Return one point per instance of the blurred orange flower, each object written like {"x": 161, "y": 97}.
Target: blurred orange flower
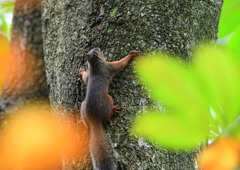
{"x": 34, "y": 139}
{"x": 4, "y": 45}
{"x": 223, "y": 154}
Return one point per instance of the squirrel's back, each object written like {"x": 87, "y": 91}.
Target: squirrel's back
{"x": 97, "y": 104}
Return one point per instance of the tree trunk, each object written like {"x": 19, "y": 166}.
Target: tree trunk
{"x": 72, "y": 28}
{"x": 26, "y": 76}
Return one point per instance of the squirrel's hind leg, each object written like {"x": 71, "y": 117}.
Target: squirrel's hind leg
{"x": 82, "y": 115}
{"x": 115, "y": 109}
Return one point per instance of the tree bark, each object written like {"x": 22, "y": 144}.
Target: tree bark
{"x": 72, "y": 28}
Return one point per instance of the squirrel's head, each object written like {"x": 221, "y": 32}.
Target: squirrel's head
{"x": 95, "y": 54}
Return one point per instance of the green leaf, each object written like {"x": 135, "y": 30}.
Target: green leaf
{"x": 171, "y": 132}
{"x": 5, "y": 9}
{"x": 233, "y": 129}
{"x": 203, "y": 96}
{"x": 234, "y": 44}
{"x": 4, "y": 27}
{"x": 7, "y": 3}
{"x": 220, "y": 79}
{"x": 174, "y": 84}
{"x": 229, "y": 20}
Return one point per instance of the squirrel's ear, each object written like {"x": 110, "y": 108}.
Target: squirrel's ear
{"x": 86, "y": 56}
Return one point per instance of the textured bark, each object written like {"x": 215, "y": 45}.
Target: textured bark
{"x": 71, "y": 28}
{"x": 26, "y": 76}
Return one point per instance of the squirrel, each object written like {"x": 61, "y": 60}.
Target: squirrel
{"x": 97, "y": 108}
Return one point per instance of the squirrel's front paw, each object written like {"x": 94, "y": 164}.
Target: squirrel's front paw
{"x": 133, "y": 53}
{"x": 81, "y": 71}
{"x": 115, "y": 109}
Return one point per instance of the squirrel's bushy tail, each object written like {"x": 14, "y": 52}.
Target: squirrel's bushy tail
{"x": 101, "y": 149}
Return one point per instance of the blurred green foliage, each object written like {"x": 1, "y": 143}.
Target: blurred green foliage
{"x": 204, "y": 97}
{"x": 230, "y": 18}
{"x": 229, "y": 26}
{"x": 6, "y": 12}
